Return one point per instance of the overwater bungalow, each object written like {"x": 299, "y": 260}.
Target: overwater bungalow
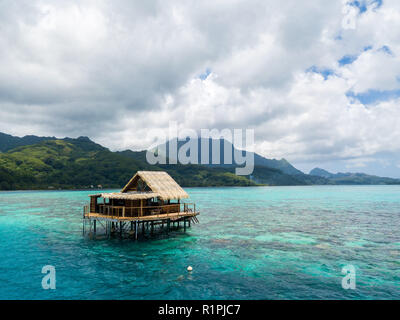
{"x": 150, "y": 199}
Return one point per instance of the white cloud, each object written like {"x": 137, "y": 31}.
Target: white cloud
{"x": 113, "y": 70}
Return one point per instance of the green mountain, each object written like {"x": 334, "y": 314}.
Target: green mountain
{"x": 42, "y": 163}
{"x": 270, "y": 172}
{"x": 80, "y": 163}
{"x": 67, "y": 163}
{"x": 8, "y": 142}
{"x": 321, "y": 173}
{"x": 194, "y": 175}
{"x": 259, "y": 161}
{"x": 352, "y": 178}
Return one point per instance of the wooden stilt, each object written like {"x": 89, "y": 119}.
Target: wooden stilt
{"x": 114, "y": 223}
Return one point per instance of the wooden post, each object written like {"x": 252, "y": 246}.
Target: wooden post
{"x": 168, "y": 225}
{"x": 136, "y": 227}
{"x": 120, "y": 229}
{"x": 141, "y": 207}
{"x": 143, "y": 228}
{"x": 152, "y": 227}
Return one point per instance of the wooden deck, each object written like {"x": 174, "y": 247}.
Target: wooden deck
{"x": 129, "y": 222}
{"x": 166, "y": 216}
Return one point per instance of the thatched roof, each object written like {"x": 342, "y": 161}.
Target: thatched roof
{"x": 158, "y": 183}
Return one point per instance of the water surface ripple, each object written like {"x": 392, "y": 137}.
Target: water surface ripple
{"x": 252, "y": 243}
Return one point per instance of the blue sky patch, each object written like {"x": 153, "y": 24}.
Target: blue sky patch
{"x": 387, "y": 50}
{"x": 363, "y": 5}
{"x": 325, "y": 72}
{"x": 339, "y": 37}
{"x": 374, "y": 96}
{"x": 348, "y": 59}
{"x": 367, "y": 48}
{"x": 378, "y": 3}
{"x": 205, "y": 75}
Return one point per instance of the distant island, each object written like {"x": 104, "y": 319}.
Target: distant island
{"x": 352, "y": 178}
{"x": 33, "y": 162}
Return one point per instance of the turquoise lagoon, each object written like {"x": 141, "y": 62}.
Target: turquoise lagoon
{"x": 251, "y": 243}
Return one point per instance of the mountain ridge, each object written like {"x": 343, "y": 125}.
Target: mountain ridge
{"x": 78, "y": 163}
{"x": 259, "y": 161}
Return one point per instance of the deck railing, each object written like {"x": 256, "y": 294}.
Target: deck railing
{"x": 120, "y": 211}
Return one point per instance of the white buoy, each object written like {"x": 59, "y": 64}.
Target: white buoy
{"x": 189, "y": 268}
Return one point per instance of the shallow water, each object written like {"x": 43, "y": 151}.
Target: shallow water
{"x": 251, "y": 243}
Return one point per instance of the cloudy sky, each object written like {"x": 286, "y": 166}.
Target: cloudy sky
{"x": 318, "y": 81}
